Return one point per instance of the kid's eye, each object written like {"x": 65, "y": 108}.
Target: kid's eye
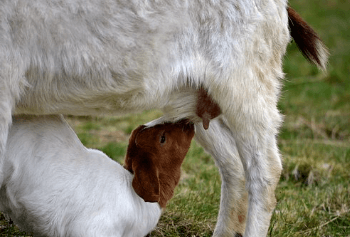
{"x": 162, "y": 139}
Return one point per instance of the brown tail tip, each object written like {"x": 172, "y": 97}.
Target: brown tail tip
{"x": 307, "y": 40}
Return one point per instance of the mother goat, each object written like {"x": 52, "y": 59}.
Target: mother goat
{"x": 93, "y": 57}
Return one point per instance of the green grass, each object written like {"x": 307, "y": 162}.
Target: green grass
{"x": 314, "y": 191}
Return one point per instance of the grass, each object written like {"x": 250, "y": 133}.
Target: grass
{"x": 314, "y": 191}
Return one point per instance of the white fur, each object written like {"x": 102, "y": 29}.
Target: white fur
{"x": 54, "y": 186}
{"x": 93, "y": 57}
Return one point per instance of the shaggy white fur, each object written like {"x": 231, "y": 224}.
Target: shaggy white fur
{"x": 93, "y": 57}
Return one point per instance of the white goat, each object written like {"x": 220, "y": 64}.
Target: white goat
{"x": 93, "y": 57}
{"x": 54, "y": 186}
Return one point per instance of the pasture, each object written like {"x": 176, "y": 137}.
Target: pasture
{"x": 314, "y": 191}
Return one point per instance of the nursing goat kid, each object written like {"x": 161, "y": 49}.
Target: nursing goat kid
{"x": 54, "y": 186}
{"x": 95, "y": 57}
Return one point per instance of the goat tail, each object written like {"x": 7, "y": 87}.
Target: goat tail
{"x": 307, "y": 40}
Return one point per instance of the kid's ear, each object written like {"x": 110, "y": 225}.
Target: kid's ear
{"x": 146, "y": 180}
{"x": 132, "y": 149}
{"x": 132, "y": 139}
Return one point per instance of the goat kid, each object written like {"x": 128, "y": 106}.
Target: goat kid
{"x": 54, "y": 186}
{"x": 93, "y": 57}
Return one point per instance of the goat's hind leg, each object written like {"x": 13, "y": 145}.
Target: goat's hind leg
{"x": 218, "y": 140}
{"x": 262, "y": 176}
{"x": 254, "y": 123}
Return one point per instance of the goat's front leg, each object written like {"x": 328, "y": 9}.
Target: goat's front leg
{"x": 218, "y": 140}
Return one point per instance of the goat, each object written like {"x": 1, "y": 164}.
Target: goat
{"x": 54, "y": 186}
{"x": 96, "y": 57}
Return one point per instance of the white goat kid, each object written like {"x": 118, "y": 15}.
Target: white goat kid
{"x": 93, "y": 57}
{"x": 54, "y": 186}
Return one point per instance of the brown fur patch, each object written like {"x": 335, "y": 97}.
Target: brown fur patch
{"x": 239, "y": 213}
{"x": 155, "y": 155}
